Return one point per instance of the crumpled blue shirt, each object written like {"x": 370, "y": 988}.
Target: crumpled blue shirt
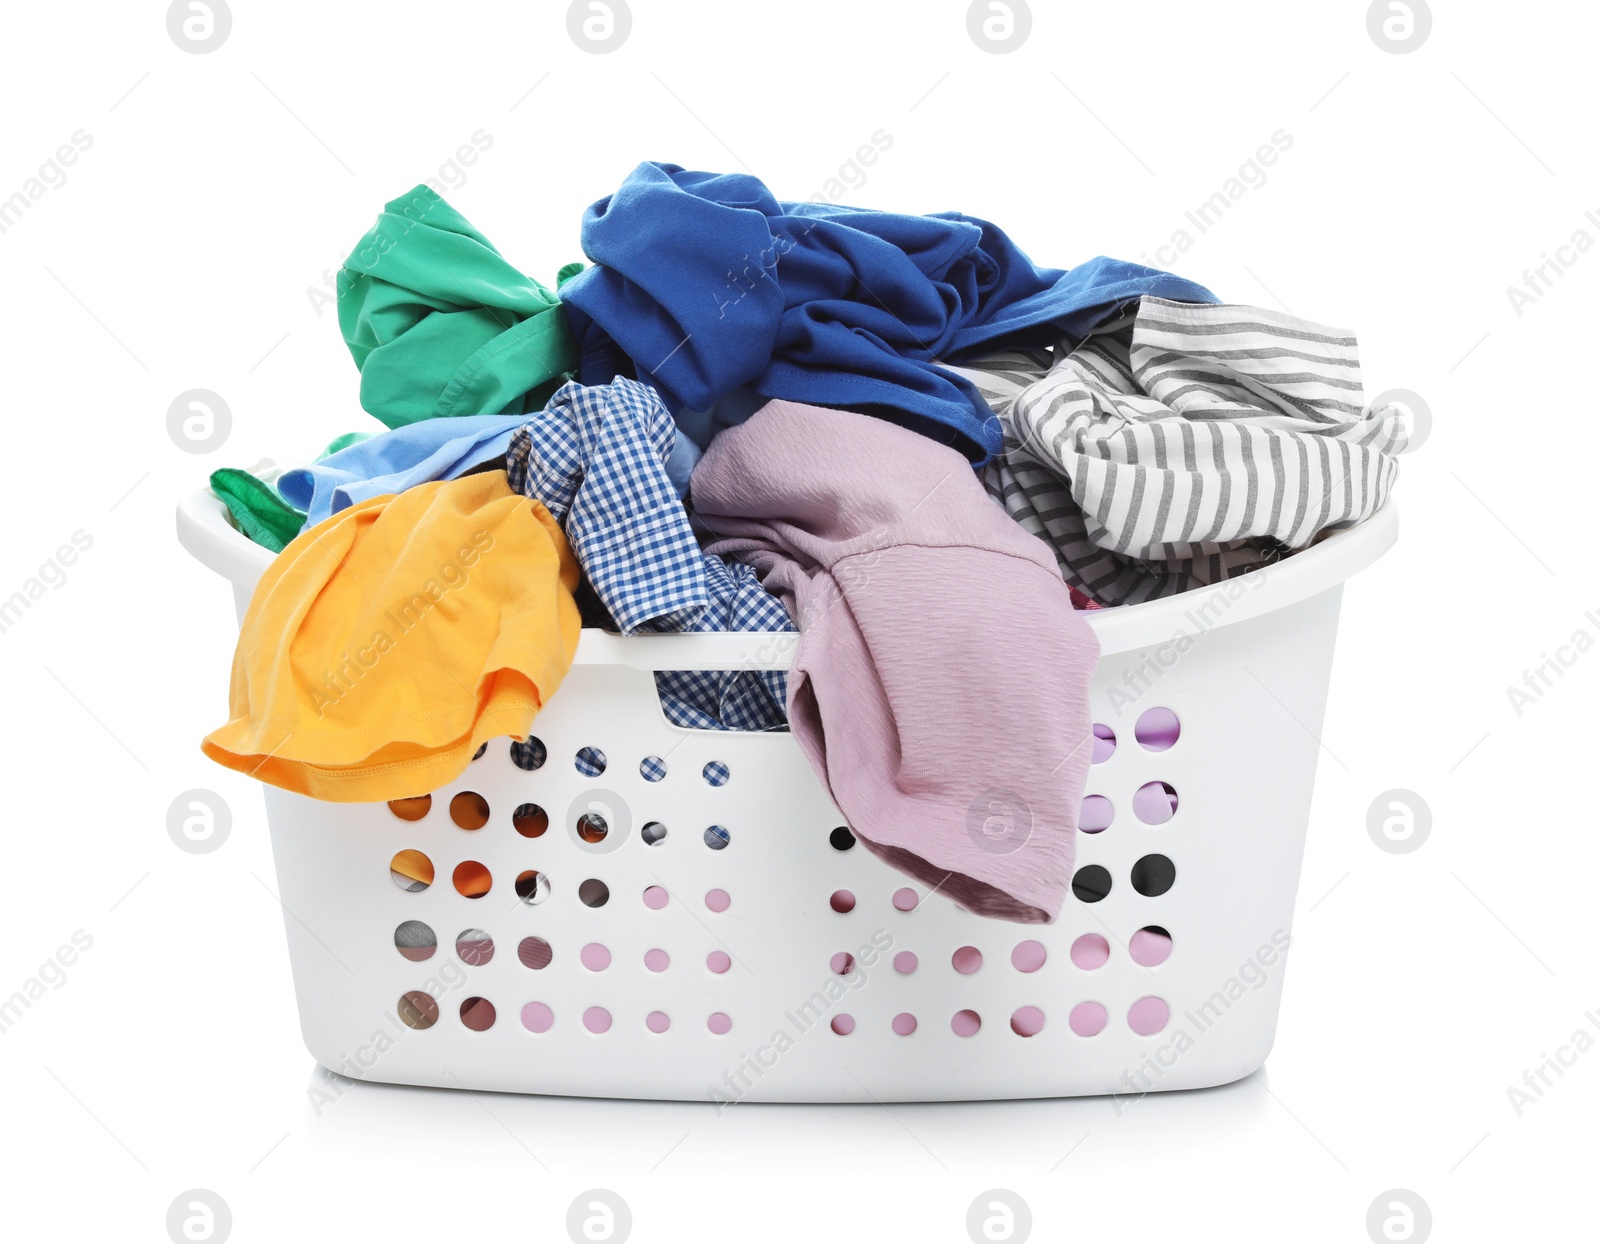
{"x": 710, "y": 288}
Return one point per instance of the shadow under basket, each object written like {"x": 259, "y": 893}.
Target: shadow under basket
{"x": 623, "y": 908}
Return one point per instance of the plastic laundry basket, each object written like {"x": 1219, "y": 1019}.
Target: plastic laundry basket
{"x": 692, "y": 922}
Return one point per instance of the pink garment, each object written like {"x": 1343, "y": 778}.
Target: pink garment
{"x": 940, "y": 687}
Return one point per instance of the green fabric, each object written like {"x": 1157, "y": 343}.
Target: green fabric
{"x": 440, "y": 324}
{"x": 257, "y": 508}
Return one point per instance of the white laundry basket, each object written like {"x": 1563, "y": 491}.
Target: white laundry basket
{"x": 752, "y": 953}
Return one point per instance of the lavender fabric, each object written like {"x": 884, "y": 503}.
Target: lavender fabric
{"x": 941, "y": 683}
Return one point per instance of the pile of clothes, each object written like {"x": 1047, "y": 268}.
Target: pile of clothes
{"x": 894, "y": 434}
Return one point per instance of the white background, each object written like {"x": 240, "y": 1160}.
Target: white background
{"x": 221, "y": 188}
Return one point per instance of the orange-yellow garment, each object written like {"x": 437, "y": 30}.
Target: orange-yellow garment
{"x": 383, "y": 646}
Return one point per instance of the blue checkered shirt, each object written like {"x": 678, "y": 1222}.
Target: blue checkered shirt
{"x": 595, "y": 457}
{"x": 730, "y": 699}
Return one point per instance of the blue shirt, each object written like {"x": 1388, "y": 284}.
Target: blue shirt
{"x": 595, "y": 458}
{"x": 706, "y": 284}
{"x": 412, "y": 454}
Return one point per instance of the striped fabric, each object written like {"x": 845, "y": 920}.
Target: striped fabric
{"x": 1183, "y": 444}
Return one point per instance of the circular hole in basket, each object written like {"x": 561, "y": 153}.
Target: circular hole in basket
{"x": 653, "y": 769}
{"x": 533, "y": 887}
{"x": 1095, "y": 814}
{"x": 1028, "y": 956}
{"x": 530, "y": 820}
{"x": 478, "y": 1014}
{"x": 904, "y": 1024}
{"x": 1105, "y": 744}
{"x": 411, "y": 870}
{"x": 905, "y": 963}
{"x": 595, "y": 957}
{"x": 469, "y": 810}
{"x": 537, "y": 1017}
{"x": 905, "y": 899}
{"x": 1091, "y": 883}
{"x": 843, "y": 963}
{"x": 1152, "y": 876}
{"x": 657, "y": 960}
{"x": 597, "y": 1019}
{"x": 719, "y": 1023}
{"x": 482, "y": 747}
{"x": 658, "y": 1021}
{"x": 654, "y": 833}
{"x": 1155, "y": 803}
{"x": 965, "y": 1023}
{"x": 841, "y": 839}
{"x": 843, "y": 1025}
{"x": 592, "y": 828}
{"x": 1148, "y": 1016}
{"x": 655, "y": 897}
{"x": 590, "y": 761}
{"x": 842, "y": 901}
{"x": 718, "y": 900}
{"x": 472, "y": 879}
{"x": 417, "y": 1010}
{"x": 718, "y": 961}
{"x": 967, "y": 960}
{"x": 1090, "y": 951}
{"x": 716, "y": 773}
{"x": 716, "y": 837}
{"x": 1157, "y": 729}
{"x": 535, "y": 953}
{"x": 594, "y": 893}
{"x": 1027, "y": 1021}
{"x": 1151, "y": 946}
{"x": 529, "y": 754}
{"x": 412, "y": 809}
{"x": 1087, "y": 1019}
{"x": 415, "y": 941}
{"x": 474, "y": 947}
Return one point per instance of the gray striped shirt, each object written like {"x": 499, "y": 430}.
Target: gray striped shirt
{"x": 1185, "y": 443}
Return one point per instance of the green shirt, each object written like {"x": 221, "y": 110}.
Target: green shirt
{"x": 440, "y": 324}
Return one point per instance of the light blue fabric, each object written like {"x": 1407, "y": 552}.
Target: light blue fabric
{"x": 412, "y": 454}
{"x": 681, "y": 462}
{"x": 416, "y": 453}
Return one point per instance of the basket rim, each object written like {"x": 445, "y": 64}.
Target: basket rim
{"x": 204, "y": 530}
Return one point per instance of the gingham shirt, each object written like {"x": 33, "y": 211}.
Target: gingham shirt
{"x": 595, "y": 457}
{"x": 730, "y": 699}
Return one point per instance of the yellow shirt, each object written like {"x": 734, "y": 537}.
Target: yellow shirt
{"x": 383, "y": 646}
